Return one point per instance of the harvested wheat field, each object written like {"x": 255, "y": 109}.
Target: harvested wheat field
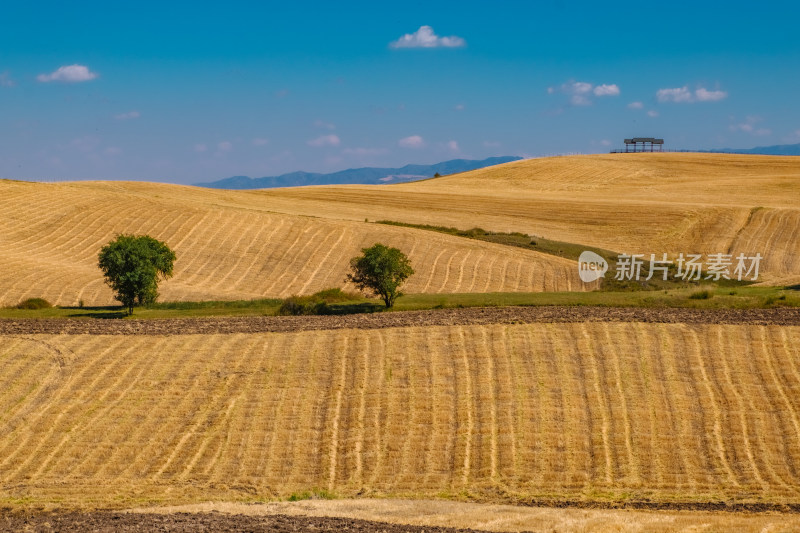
{"x": 629, "y": 203}
{"x": 599, "y": 412}
{"x": 255, "y": 244}
{"x": 228, "y": 249}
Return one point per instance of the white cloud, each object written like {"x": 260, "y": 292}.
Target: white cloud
{"x": 452, "y": 146}
{"x": 424, "y": 37}
{"x": 606, "y": 90}
{"x": 225, "y": 146}
{"x": 200, "y": 148}
{"x": 580, "y": 92}
{"x": 365, "y": 152}
{"x": 605, "y": 142}
{"x": 577, "y": 91}
{"x": 704, "y": 95}
{"x": 639, "y": 105}
{"x": 459, "y": 107}
{"x": 793, "y": 137}
{"x": 412, "y": 141}
{"x": 492, "y": 144}
{"x": 580, "y": 87}
{"x": 679, "y": 94}
{"x": 682, "y": 95}
{"x": 113, "y": 150}
{"x": 68, "y": 74}
{"x": 258, "y": 141}
{"x": 128, "y": 116}
{"x": 325, "y": 140}
{"x": 750, "y": 126}
{"x": 324, "y": 125}
{"x": 5, "y": 80}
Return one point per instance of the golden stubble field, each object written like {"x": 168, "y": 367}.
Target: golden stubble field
{"x": 629, "y": 203}
{"x": 597, "y": 411}
{"x": 50, "y": 235}
{"x": 274, "y": 243}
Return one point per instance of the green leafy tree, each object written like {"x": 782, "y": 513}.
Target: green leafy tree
{"x": 133, "y": 265}
{"x": 381, "y": 270}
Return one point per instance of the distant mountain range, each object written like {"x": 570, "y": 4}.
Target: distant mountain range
{"x": 369, "y": 175}
{"x": 778, "y": 149}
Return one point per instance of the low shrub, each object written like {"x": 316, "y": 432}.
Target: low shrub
{"x": 772, "y": 300}
{"x": 303, "y": 305}
{"x": 34, "y": 303}
{"x": 700, "y": 295}
{"x": 318, "y": 303}
{"x": 474, "y": 232}
{"x": 335, "y": 295}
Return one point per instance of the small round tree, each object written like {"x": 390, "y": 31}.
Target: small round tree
{"x": 132, "y": 266}
{"x": 381, "y": 270}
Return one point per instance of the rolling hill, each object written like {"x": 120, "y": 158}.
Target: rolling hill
{"x": 630, "y": 203}
{"x": 274, "y": 243}
{"x": 230, "y": 247}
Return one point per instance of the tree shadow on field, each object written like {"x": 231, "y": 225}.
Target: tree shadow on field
{"x": 353, "y": 309}
{"x": 97, "y": 312}
{"x": 119, "y": 314}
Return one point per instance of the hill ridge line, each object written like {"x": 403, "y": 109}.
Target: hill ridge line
{"x": 404, "y": 319}
{"x": 358, "y": 176}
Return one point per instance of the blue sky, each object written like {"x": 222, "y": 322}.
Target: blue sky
{"x": 188, "y": 91}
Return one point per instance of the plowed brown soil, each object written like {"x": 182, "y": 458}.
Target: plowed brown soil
{"x": 109, "y": 521}
{"x": 435, "y": 317}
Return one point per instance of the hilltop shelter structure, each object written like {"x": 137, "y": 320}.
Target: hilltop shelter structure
{"x": 640, "y": 144}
